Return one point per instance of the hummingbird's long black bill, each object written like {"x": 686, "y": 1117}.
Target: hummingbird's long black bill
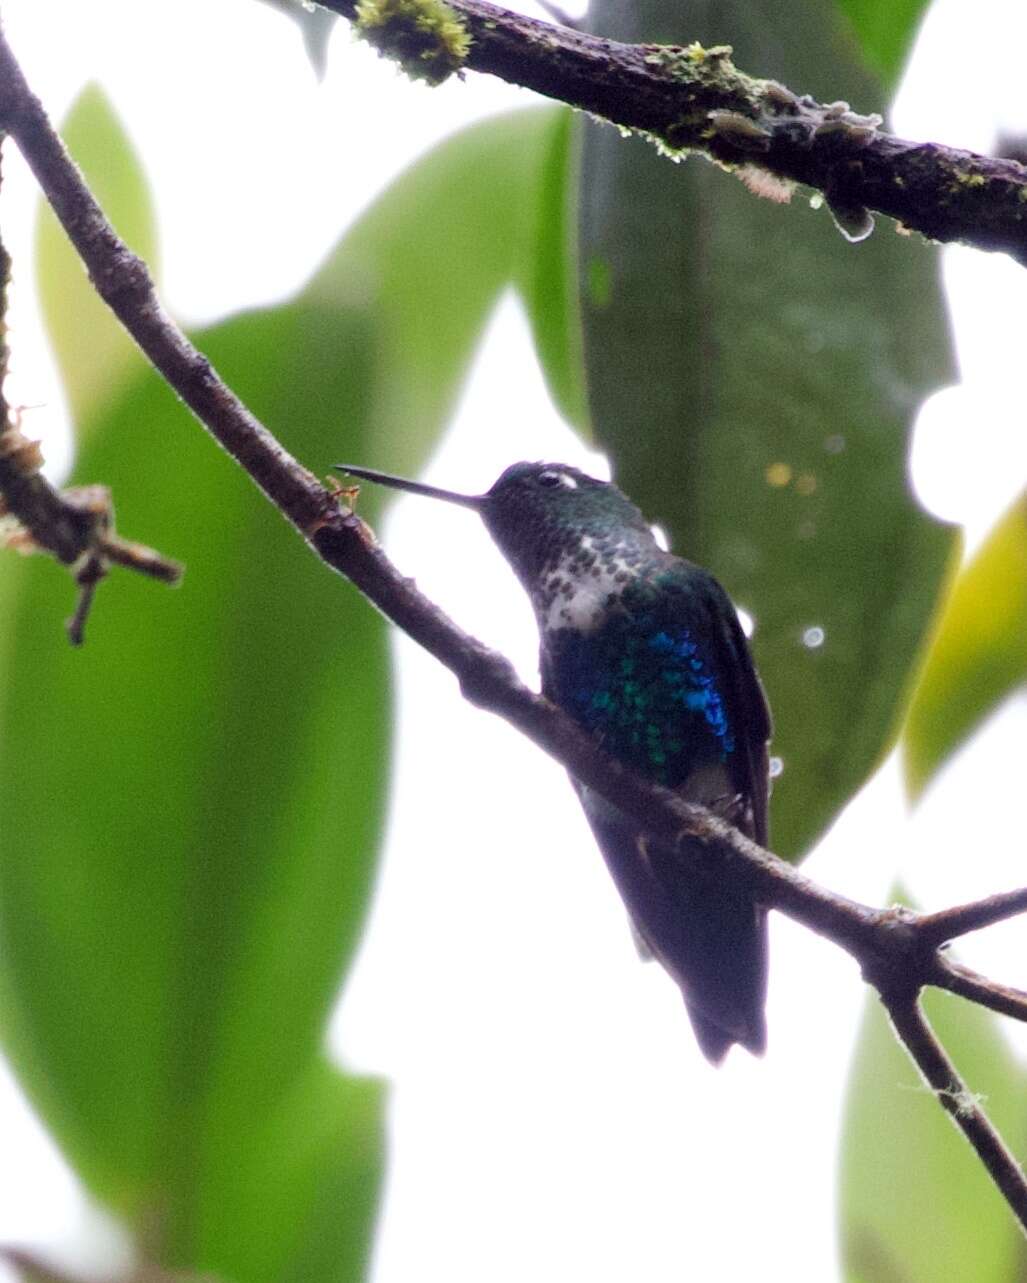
{"x": 414, "y": 487}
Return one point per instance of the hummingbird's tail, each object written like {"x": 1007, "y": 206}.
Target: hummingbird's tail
{"x": 708, "y": 935}
{"x": 725, "y": 990}
{"x": 715, "y": 1042}
{"x": 711, "y": 938}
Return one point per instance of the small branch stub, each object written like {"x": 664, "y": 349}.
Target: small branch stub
{"x": 76, "y": 526}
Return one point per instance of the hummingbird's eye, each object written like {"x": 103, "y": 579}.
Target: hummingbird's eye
{"x": 551, "y": 477}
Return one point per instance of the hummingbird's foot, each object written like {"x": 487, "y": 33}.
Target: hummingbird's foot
{"x": 731, "y": 807}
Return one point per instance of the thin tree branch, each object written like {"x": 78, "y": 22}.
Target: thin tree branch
{"x": 695, "y": 99}
{"x": 961, "y": 1105}
{"x": 957, "y": 978}
{"x": 947, "y": 924}
{"x": 892, "y": 950}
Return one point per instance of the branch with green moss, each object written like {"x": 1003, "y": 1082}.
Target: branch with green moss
{"x": 691, "y": 99}
{"x": 425, "y": 37}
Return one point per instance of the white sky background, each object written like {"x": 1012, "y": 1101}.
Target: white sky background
{"x": 552, "y": 1118}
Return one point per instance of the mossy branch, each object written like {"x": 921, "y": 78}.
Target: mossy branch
{"x": 695, "y": 99}
{"x": 426, "y": 38}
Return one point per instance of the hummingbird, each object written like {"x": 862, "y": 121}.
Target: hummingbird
{"x": 645, "y": 650}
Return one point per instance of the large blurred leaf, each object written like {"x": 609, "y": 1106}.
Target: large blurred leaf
{"x": 979, "y": 651}
{"x": 190, "y": 805}
{"x": 755, "y": 377}
{"x": 189, "y": 824}
{"x": 93, "y": 350}
{"x": 546, "y": 276}
{"x": 916, "y": 1206}
{"x": 885, "y": 31}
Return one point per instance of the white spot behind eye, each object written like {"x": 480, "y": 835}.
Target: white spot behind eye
{"x": 551, "y": 477}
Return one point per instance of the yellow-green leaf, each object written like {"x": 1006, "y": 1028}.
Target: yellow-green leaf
{"x": 885, "y": 30}
{"x": 978, "y": 654}
{"x": 93, "y": 351}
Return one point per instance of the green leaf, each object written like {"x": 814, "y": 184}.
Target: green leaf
{"x": 978, "y": 654}
{"x": 915, "y": 1204}
{"x": 885, "y": 30}
{"x": 192, "y": 802}
{"x": 316, "y": 26}
{"x": 93, "y": 350}
{"x": 298, "y": 1200}
{"x": 755, "y": 377}
{"x": 190, "y": 823}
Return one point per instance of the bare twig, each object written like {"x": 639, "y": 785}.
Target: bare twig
{"x": 695, "y": 99}
{"x": 137, "y": 557}
{"x": 957, "y": 978}
{"x": 948, "y": 924}
{"x": 894, "y": 949}
{"x": 962, "y": 1106}
{"x": 88, "y": 578}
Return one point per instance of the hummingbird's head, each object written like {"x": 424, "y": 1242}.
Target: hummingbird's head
{"x": 539, "y": 513}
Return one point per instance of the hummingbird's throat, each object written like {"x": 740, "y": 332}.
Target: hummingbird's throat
{"x": 584, "y": 584}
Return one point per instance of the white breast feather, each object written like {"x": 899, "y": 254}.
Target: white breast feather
{"x": 578, "y": 599}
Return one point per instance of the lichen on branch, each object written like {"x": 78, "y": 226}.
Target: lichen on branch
{"x": 428, "y": 40}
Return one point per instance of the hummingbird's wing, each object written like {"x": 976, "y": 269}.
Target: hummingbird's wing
{"x": 748, "y": 710}
{"x": 718, "y": 947}
{"x": 709, "y": 936}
